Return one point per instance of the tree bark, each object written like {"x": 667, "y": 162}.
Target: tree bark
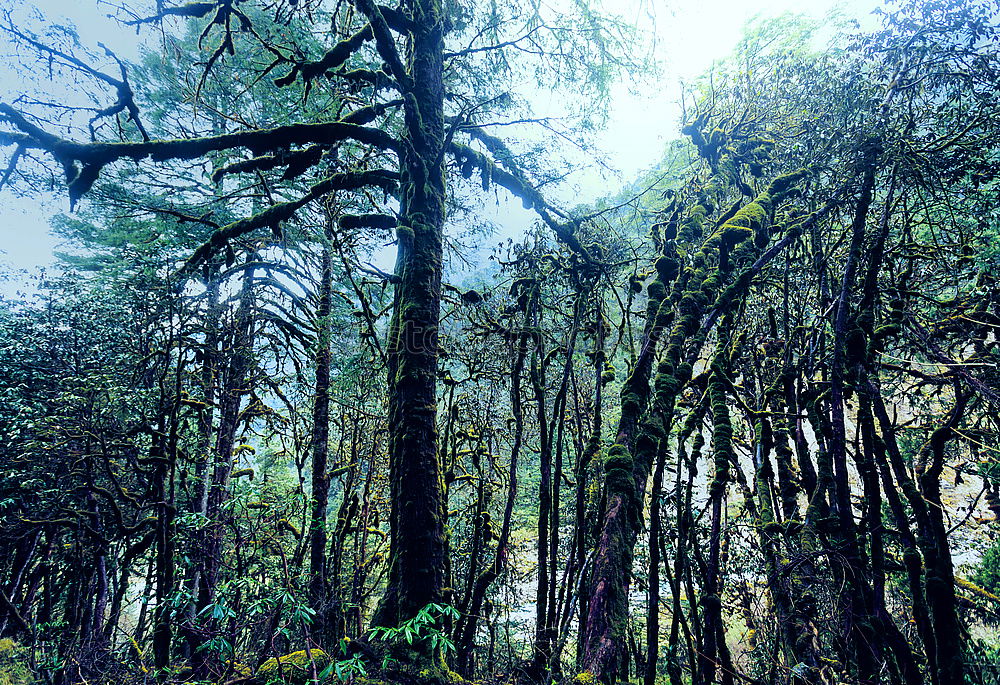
{"x": 417, "y": 536}
{"x": 318, "y": 580}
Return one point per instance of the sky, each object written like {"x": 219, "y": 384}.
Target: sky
{"x": 690, "y": 36}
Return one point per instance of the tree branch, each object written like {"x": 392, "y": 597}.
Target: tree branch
{"x": 384, "y": 42}
{"x": 94, "y": 156}
{"x": 274, "y": 215}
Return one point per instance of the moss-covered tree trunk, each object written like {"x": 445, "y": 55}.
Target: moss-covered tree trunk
{"x": 417, "y": 537}
{"x": 713, "y": 655}
{"x": 684, "y": 314}
{"x": 624, "y": 483}
{"x": 939, "y": 583}
{"x": 318, "y": 581}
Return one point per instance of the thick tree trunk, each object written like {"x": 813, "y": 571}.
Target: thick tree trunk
{"x": 417, "y": 536}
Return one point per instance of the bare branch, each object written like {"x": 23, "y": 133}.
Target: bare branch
{"x": 125, "y": 97}
{"x": 192, "y": 9}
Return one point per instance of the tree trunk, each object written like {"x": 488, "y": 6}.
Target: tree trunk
{"x": 318, "y": 580}
{"x": 417, "y": 515}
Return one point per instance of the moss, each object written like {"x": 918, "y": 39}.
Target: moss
{"x": 14, "y": 659}
{"x": 630, "y": 402}
{"x": 663, "y": 315}
{"x": 684, "y": 371}
{"x": 294, "y": 668}
{"x": 656, "y": 290}
{"x": 722, "y": 430}
{"x": 619, "y": 479}
{"x": 772, "y": 528}
{"x": 978, "y": 591}
{"x": 585, "y": 678}
{"x": 618, "y": 459}
{"x": 667, "y": 387}
{"x": 667, "y": 268}
{"x": 414, "y": 665}
{"x": 405, "y": 234}
{"x": 240, "y": 670}
{"x": 693, "y": 224}
{"x": 608, "y": 374}
{"x": 651, "y": 433}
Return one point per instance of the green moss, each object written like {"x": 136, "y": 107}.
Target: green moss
{"x": 722, "y": 430}
{"x": 772, "y": 528}
{"x": 667, "y": 387}
{"x": 684, "y": 371}
{"x": 608, "y": 374}
{"x": 618, "y": 459}
{"x": 667, "y": 268}
{"x": 294, "y": 668}
{"x": 405, "y": 234}
{"x": 14, "y": 659}
{"x": 630, "y": 401}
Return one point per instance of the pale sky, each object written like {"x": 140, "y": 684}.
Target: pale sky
{"x": 689, "y": 36}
